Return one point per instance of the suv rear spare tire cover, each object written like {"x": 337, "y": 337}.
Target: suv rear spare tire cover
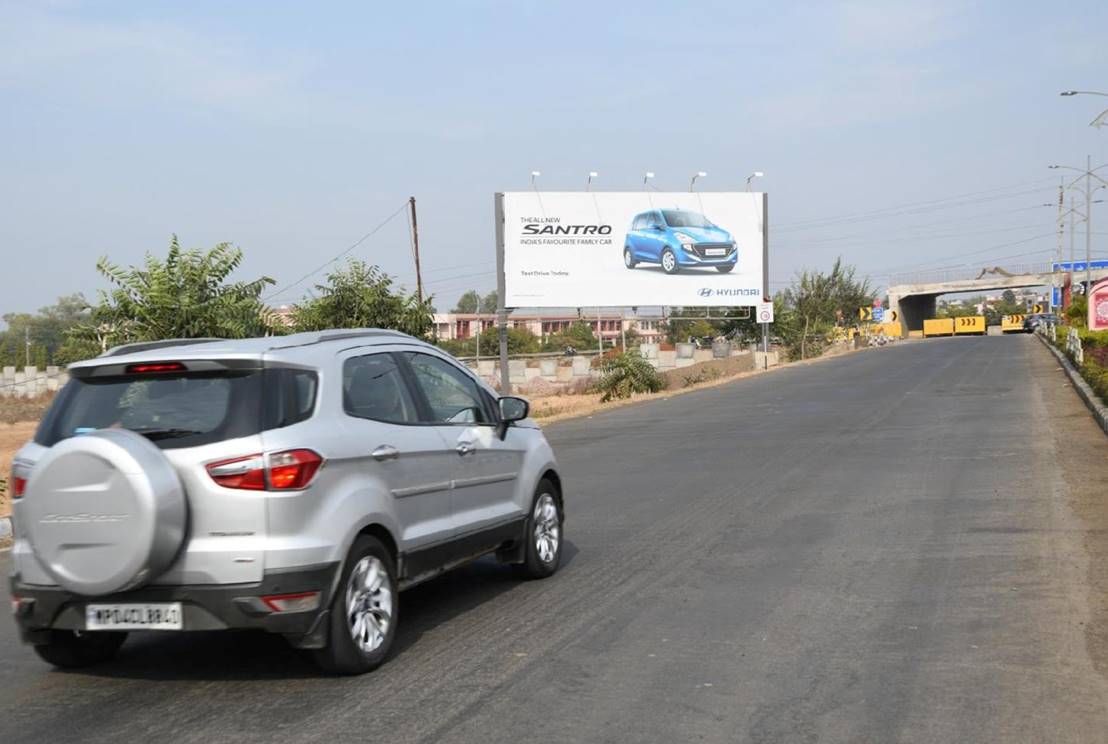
{"x": 104, "y": 512}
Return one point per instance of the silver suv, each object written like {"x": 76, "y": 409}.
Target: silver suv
{"x": 292, "y": 484}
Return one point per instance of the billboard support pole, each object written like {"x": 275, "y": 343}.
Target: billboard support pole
{"x": 501, "y": 311}
{"x": 599, "y": 338}
{"x": 765, "y": 276}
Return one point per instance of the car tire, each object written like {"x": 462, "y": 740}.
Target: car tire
{"x": 725, "y": 269}
{"x": 542, "y": 534}
{"x": 629, "y": 258}
{"x": 71, "y": 649}
{"x": 670, "y": 267}
{"x": 357, "y": 609}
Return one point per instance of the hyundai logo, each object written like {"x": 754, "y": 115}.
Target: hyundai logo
{"x": 705, "y": 292}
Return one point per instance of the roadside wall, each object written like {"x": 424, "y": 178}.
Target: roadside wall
{"x": 550, "y": 375}
{"x": 29, "y": 382}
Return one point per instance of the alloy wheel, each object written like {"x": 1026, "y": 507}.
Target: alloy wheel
{"x": 668, "y": 261}
{"x": 547, "y": 528}
{"x": 369, "y": 602}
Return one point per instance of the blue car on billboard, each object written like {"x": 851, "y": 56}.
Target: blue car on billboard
{"x": 677, "y": 239}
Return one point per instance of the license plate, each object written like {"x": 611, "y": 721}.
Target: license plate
{"x": 716, "y": 252}
{"x": 152, "y": 616}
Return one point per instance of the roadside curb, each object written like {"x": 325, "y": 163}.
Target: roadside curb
{"x": 1086, "y": 393}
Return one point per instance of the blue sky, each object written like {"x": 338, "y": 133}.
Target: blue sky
{"x": 292, "y": 129}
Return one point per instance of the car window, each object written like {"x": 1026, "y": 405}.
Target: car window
{"x": 373, "y": 388}
{"x": 452, "y": 395}
{"x": 640, "y": 222}
{"x": 173, "y": 410}
{"x": 290, "y": 396}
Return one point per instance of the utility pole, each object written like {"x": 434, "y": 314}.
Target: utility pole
{"x": 415, "y": 245}
{"x": 599, "y": 338}
{"x": 1071, "y": 256}
{"x": 1061, "y": 230}
{"x": 27, "y": 345}
{"x": 1088, "y": 224}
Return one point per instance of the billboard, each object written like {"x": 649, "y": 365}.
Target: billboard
{"x": 1098, "y": 306}
{"x": 639, "y": 248}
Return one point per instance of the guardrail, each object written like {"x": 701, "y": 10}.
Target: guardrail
{"x": 1073, "y": 346}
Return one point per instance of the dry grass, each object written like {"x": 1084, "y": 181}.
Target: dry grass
{"x": 12, "y": 437}
{"x": 14, "y": 409}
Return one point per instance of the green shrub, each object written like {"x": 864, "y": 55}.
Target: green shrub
{"x": 626, "y": 374}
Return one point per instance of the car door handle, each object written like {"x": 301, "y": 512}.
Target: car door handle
{"x": 385, "y": 452}
{"x": 465, "y": 448}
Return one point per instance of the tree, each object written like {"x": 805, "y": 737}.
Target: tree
{"x": 579, "y": 335}
{"x": 362, "y": 296}
{"x": 470, "y": 302}
{"x": 806, "y": 312}
{"x": 520, "y": 341}
{"x": 46, "y": 332}
{"x": 684, "y": 322}
{"x": 489, "y": 302}
{"x": 188, "y": 295}
{"x": 1009, "y": 296}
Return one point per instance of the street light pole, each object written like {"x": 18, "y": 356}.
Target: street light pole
{"x": 1101, "y": 118}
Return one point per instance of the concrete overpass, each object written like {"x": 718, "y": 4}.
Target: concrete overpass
{"x": 913, "y": 296}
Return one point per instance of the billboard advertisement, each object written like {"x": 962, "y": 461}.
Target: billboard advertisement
{"x": 640, "y": 248}
{"x": 1098, "y": 306}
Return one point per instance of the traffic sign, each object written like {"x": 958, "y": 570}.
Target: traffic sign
{"x": 865, "y": 313}
{"x": 892, "y": 317}
{"x": 765, "y": 312}
{"x": 1079, "y": 265}
{"x": 878, "y": 315}
{"x": 1037, "y": 308}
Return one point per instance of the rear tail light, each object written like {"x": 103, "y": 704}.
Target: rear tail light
{"x": 19, "y": 486}
{"x": 302, "y": 602}
{"x": 290, "y": 470}
{"x": 154, "y": 367}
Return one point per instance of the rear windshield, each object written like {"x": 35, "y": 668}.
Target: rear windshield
{"x": 181, "y": 410}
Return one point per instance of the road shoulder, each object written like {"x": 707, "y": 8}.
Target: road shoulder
{"x": 1082, "y": 457}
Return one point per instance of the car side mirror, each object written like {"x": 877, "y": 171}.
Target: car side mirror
{"x": 513, "y": 409}
{"x": 658, "y": 227}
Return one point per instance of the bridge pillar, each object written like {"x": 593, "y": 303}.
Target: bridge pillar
{"x": 913, "y": 310}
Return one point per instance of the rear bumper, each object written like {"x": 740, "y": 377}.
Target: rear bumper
{"x": 208, "y": 607}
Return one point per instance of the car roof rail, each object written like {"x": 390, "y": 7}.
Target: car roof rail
{"x": 338, "y": 334}
{"x": 134, "y": 348}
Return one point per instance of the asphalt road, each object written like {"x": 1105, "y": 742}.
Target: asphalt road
{"x": 873, "y": 548}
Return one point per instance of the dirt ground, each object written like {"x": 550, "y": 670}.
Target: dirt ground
{"x": 12, "y": 437}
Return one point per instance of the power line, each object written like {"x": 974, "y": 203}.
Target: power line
{"x": 909, "y": 267}
{"x": 350, "y": 248}
{"x": 900, "y": 238}
{"x": 921, "y": 208}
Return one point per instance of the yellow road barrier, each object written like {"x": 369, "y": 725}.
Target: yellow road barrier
{"x": 1011, "y": 324}
{"x": 892, "y": 330}
{"x": 938, "y": 327}
{"x": 970, "y": 324}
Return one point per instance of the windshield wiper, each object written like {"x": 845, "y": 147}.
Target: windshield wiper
{"x": 153, "y": 434}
